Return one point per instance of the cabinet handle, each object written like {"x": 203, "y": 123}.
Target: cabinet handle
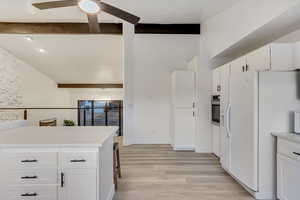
{"x": 77, "y": 161}
{"x": 62, "y": 179}
{"x": 29, "y": 195}
{"x": 297, "y": 154}
{"x": 29, "y": 177}
{"x": 243, "y": 68}
{"x": 247, "y": 67}
{"x": 193, "y": 114}
{"x": 29, "y": 161}
{"x": 193, "y": 104}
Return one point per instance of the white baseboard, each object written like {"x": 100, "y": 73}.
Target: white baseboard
{"x": 202, "y": 150}
{"x": 146, "y": 140}
{"x": 111, "y": 193}
{"x": 183, "y": 148}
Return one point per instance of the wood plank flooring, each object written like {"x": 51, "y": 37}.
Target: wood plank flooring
{"x": 156, "y": 172}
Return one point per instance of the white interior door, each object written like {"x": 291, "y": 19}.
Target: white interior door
{"x": 243, "y": 124}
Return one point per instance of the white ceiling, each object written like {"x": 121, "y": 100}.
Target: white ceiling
{"x": 151, "y": 11}
{"x": 77, "y": 59}
{"x": 92, "y": 59}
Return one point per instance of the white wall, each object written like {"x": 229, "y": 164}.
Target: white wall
{"x": 233, "y": 25}
{"x": 23, "y": 86}
{"x": 94, "y": 94}
{"x": 154, "y": 58}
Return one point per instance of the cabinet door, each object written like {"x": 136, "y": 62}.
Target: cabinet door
{"x": 216, "y": 139}
{"x": 216, "y": 81}
{"x": 282, "y": 57}
{"x": 183, "y": 89}
{"x": 79, "y": 184}
{"x": 259, "y": 60}
{"x": 184, "y": 129}
{"x": 288, "y": 175}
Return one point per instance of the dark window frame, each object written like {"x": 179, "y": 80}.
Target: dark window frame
{"x": 106, "y": 111}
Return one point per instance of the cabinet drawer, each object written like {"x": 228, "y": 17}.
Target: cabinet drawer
{"x": 79, "y": 160}
{"x": 289, "y": 149}
{"x": 31, "y": 177}
{"x": 31, "y": 193}
{"x": 29, "y": 160}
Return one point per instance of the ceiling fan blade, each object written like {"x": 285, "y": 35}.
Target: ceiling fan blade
{"x": 93, "y": 23}
{"x": 119, "y": 13}
{"x": 55, "y": 4}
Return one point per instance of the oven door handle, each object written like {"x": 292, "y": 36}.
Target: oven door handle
{"x": 228, "y": 111}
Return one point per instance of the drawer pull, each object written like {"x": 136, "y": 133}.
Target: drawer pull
{"x": 29, "y": 161}
{"x": 29, "y": 177}
{"x": 297, "y": 154}
{"x": 62, "y": 180}
{"x": 77, "y": 161}
{"x": 29, "y": 195}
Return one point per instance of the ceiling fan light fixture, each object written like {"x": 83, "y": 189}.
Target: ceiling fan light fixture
{"x": 89, "y": 6}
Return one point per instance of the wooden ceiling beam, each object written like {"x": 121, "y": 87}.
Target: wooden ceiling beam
{"x": 79, "y": 85}
{"x": 105, "y": 28}
{"x": 58, "y": 28}
{"x": 190, "y": 29}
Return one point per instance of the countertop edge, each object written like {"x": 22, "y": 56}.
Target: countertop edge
{"x": 94, "y": 144}
{"x": 293, "y": 137}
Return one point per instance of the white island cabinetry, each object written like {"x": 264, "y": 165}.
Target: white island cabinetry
{"x": 58, "y": 163}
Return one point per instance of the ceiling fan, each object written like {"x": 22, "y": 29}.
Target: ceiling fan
{"x": 92, "y": 8}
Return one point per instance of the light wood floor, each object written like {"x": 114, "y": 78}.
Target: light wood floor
{"x": 156, "y": 172}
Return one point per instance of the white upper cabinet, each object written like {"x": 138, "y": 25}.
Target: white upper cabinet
{"x": 183, "y": 89}
{"x": 216, "y": 81}
{"x": 259, "y": 60}
{"x": 282, "y": 57}
{"x": 272, "y": 57}
{"x": 296, "y": 55}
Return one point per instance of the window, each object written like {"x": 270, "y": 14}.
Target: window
{"x": 100, "y": 113}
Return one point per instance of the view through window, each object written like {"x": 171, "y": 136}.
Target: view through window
{"x": 100, "y": 113}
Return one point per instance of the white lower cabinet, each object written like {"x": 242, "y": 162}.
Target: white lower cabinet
{"x": 216, "y": 139}
{"x": 30, "y": 193}
{"x": 288, "y": 171}
{"x": 78, "y": 184}
{"x": 57, "y": 175}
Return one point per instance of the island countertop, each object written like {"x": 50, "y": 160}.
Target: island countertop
{"x": 293, "y": 137}
{"x": 56, "y": 136}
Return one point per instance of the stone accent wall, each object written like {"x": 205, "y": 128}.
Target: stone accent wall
{"x": 10, "y": 95}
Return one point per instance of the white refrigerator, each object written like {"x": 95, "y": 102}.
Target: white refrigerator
{"x": 255, "y": 104}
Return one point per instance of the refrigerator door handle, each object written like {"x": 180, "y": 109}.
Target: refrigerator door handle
{"x": 228, "y": 120}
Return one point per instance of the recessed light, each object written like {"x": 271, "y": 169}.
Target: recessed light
{"x": 89, "y": 6}
{"x": 28, "y": 38}
{"x": 42, "y": 50}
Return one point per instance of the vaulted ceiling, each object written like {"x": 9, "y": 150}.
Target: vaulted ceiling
{"x": 92, "y": 58}
{"x": 164, "y": 11}
{"x": 70, "y": 58}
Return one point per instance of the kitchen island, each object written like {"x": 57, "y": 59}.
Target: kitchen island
{"x": 57, "y": 163}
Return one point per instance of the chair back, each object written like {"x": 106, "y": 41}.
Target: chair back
{"x": 48, "y": 122}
